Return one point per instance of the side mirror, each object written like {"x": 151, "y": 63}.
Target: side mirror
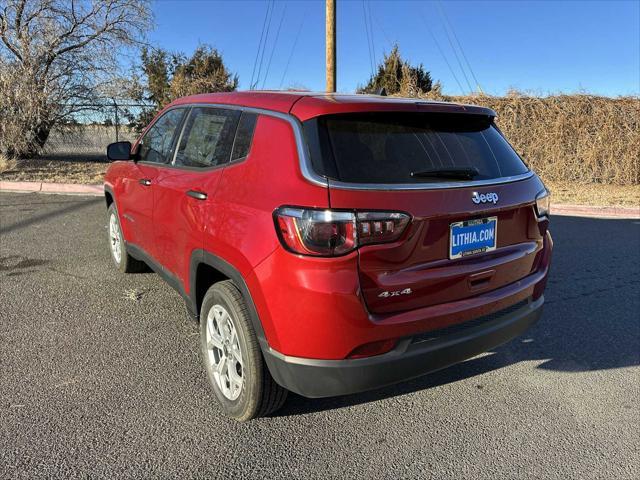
{"x": 119, "y": 151}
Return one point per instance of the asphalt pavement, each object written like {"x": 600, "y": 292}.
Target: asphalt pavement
{"x": 100, "y": 375}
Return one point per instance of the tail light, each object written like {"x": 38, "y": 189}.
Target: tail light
{"x": 330, "y": 233}
{"x": 316, "y": 232}
{"x": 380, "y": 227}
{"x": 543, "y": 204}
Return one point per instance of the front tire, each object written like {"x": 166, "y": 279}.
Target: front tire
{"x": 232, "y": 358}
{"x": 123, "y": 261}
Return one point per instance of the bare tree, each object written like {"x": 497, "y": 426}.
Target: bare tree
{"x": 56, "y": 55}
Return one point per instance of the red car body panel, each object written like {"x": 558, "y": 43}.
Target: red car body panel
{"x": 320, "y": 311}
{"x": 325, "y": 308}
{"x": 311, "y": 106}
{"x": 239, "y": 224}
{"x": 420, "y": 259}
{"x": 178, "y": 219}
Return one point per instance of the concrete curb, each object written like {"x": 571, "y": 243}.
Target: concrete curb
{"x": 599, "y": 212}
{"x": 44, "y": 187}
{"x": 98, "y": 190}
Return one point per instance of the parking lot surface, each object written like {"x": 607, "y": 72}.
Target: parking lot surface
{"x": 100, "y": 375}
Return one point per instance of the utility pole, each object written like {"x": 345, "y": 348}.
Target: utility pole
{"x": 331, "y": 45}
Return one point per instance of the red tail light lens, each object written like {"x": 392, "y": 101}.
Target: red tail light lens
{"x": 380, "y": 227}
{"x": 328, "y": 233}
{"x": 316, "y": 232}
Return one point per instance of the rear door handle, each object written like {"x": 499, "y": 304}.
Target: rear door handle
{"x": 197, "y": 195}
{"x": 145, "y": 182}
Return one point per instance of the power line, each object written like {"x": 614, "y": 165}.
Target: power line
{"x": 255, "y": 62}
{"x": 266, "y": 40}
{"x": 384, "y": 33}
{"x": 373, "y": 45}
{"x": 455, "y": 53}
{"x": 455, "y": 36}
{"x": 275, "y": 42}
{"x": 293, "y": 48}
{"x": 366, "y": 27}
{"x": 444, "y": 57}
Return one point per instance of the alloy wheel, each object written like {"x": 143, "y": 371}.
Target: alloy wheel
{"x": 114, "y": 238}
{"x": 224, "y": 353}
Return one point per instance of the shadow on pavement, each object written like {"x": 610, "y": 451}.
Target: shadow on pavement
{"x": 73, "y": 206}
{"x": 591, "y": 319}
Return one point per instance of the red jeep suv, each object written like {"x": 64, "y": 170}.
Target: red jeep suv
{"x": 331, "y": 244}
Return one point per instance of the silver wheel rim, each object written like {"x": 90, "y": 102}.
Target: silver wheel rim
{"x": 114, "y": 238}
{"x": 223, "y": 352}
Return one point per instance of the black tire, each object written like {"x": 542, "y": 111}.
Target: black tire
{"x": 126, "y": 264}
{"x": 260, "y": 395}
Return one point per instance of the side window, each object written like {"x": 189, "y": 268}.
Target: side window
{"x": 156, "y": 144}
{"x": 207, "y": 137}
{"x": 244, "y": 136}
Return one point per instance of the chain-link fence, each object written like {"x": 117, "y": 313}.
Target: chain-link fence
{"x": 93, "y": 127}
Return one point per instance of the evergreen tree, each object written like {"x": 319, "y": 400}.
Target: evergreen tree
{"x": 397, "y": 76}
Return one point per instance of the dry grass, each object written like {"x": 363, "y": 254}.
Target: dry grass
{"x": 7, "y": 164}
{"x": 579, "y": 138}
{"x": 55, "y": 171}
{"x": 573, "y": 193}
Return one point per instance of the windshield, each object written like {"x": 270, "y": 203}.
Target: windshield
{"x": 384, "y": 147}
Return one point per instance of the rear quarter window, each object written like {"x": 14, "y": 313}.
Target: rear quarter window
{"x": 389, "y": 147}
{"x": 244, "y": 136}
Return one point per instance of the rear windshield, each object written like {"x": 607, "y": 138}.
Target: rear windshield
{"x": 387, "y": 147}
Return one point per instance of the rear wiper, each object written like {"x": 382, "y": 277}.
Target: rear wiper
{"x": 462, "y": 173}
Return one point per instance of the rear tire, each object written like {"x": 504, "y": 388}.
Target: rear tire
{"x": 123, "y": 261}
{"x": 232, "y": 356}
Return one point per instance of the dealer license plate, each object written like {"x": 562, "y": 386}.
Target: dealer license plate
{"x": 471, "y": 237}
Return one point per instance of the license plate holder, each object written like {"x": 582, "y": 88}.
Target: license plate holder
{"x": 471, "y": 237}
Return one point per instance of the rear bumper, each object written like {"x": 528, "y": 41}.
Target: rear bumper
{"x": 411, "y": 358}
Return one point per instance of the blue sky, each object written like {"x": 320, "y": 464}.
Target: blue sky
{"x": 539, "y": 46}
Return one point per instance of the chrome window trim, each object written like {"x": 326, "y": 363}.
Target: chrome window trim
{"x": 312, "y": 177}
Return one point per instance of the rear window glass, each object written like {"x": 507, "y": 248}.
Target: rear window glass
{"x": 390, "y": 147}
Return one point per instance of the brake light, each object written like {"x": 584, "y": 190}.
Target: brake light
{"x": 329, "y": 233}
{"x": 316, "y": 232}
{"x": 380, "y": 227}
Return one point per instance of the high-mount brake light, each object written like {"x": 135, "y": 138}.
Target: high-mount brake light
{"x": 329, "y": 233}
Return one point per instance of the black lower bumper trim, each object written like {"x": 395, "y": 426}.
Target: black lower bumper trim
{"x": 326, "y": 378}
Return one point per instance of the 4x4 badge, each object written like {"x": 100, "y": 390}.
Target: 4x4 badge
{"x": 395, "y": 293}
